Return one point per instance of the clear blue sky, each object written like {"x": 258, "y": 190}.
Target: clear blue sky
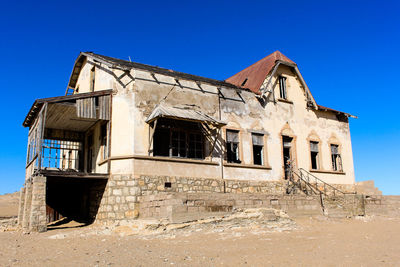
{"x": 347, "y": 51}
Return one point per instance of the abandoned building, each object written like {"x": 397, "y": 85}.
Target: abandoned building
{"x": 126, "y": 136}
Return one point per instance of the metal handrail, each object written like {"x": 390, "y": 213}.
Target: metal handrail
{"x": 313, "y": 188}
{"x": 324, "y": 183}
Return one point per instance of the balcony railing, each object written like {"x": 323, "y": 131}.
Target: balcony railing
{"x": 60, "y": 154}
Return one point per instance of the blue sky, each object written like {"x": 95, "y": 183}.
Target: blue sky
{"x": 347, "y": 52}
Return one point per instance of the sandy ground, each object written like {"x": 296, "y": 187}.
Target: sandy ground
{"x": 364, "y": 241}
{"x": 315, "y": 242}
{"x": 9, "y": 205}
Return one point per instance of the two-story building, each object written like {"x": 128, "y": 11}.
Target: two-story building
{"x": 125, "y": 130}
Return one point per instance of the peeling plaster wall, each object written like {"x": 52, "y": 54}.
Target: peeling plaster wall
{"x": 103, "y": 77}
{"x": 97, "y": 159}
{"x": 293, "y": 119}
{"x": 134, "y": 100}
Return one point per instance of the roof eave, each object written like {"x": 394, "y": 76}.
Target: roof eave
{"x": 32, "y": 113}
{"x": 322, "y": 108}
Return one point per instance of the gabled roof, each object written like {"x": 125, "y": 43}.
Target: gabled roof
{"x": 127, "y": 65}
{"x": 256, "y": 73}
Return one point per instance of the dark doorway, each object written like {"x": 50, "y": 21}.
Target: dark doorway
{"x": 287, "y": 155}
{"x": 77, "y": 199}
{"x": 90, "y": 153}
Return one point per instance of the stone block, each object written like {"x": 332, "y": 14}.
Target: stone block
{"x": 117, "y": 192}
{"x": 131, "y": 198}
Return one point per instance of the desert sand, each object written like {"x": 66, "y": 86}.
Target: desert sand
{"x": 318, "y": 241}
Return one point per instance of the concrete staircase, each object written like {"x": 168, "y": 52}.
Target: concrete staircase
{"x": 334, "y": 202}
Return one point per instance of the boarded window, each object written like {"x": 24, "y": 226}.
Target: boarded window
{"x": 314, "y": 155}
{"x": 282, "y": 87}
{"x": 232, "y": 146}
{"x": 173, "y": 138}
{"x": 258, "y": 148}
{"x": 336, "y": 158}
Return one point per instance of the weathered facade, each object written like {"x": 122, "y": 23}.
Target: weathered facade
{"x": 125, "y": 131}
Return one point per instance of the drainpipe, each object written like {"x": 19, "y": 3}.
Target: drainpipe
{"x": 222, "y": 152}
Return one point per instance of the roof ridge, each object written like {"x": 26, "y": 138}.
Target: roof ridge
{"x": 164, "y": 71}
{"x": 254, "y": 75}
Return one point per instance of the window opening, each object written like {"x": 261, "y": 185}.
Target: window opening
{"x": 181, "y": 139}
{"x": 258, "y": 148}
{"x": 232, "y": 146}
{"x": 287, "y": 155}
{"x": 282, "y": 87}
{"x": 103, "y": 138}
{"x": 61, "y": 154}
{"x": 336, "y": 158}
{"x": 314, "y": 155}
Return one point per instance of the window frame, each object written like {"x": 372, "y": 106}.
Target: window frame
{"x": 283, "y": 87}
{"x": 104, "y": 140}
{"x": 336, "y": 158}
{"x": 171, "y": 129}
{"x": 262, "y": 152}
{"x": 237, "y": 159}
{"x": 317, "y": 156}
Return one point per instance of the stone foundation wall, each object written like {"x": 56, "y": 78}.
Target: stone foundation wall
{"x": 21, "y": 205}
{"x": 127, "y": 197}
{"x": 119, "y": 200}
{"x": 382, "y": 205}
{"x": 27, "y": 205}
{"x": 179, "y": 207}
{"x": 150, "y": 185}
{"x": 95, "y": 197}
{"x": 341, "y": 206}
{"x": 32, "y": 206}
{"x": 38, "y": 219}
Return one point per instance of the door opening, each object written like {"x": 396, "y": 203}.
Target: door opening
{"x": 90, "y": 153}
{"x": 287, "y": 155}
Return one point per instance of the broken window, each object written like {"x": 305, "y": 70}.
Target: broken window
{"x": 314, "y": 155}
{"x": 173, "y": 138}
{"x": 232, "y": 146}
{"x": 336, "y": 158}
{"x": 258, "y": 148}
{"x": 282, "y": 87}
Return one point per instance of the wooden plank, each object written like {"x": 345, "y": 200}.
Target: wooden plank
{"x": 69, "y": 174}
{"x": 41, "y": 126}
{"x": 104, "y": 107}
{"x": 86, "y": 108}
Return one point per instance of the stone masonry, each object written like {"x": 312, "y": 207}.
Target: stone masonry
{"x": 120, "y": 200}
{"x": 125, "y": 199}
{"x": 38, "y": 219}
{"x": 150, "y": 185}
{"x": 32, "y": 208}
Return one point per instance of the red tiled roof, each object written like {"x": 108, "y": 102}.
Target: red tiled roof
{"x": 256, "y": 73}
